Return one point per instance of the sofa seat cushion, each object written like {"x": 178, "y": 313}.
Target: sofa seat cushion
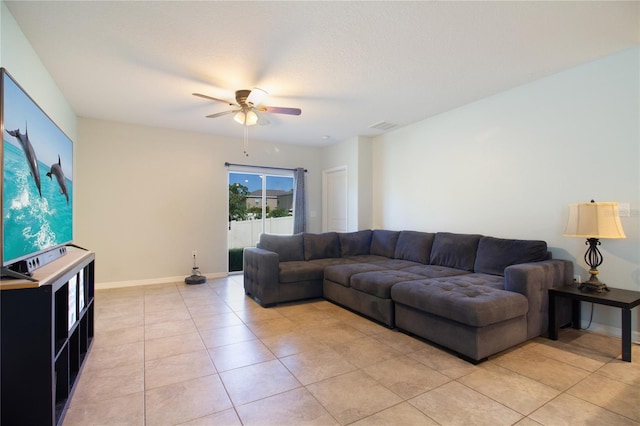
{"x": 434, "y": 271}
{"x": 300, "y": 270}
{"x": 367, "y": 258}
{"x": 473, "y": 305}
{"x": 379, "y": 283}
{"x": 395, "y": 263}
{"x": 341, "y": 274}
{"x": 493, "y": 281}
{"x": 332, "y": 261}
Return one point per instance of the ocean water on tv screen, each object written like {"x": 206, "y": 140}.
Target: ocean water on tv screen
{"x": 32, "y": 223}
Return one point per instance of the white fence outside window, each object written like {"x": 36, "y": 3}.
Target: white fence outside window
{"x": 246, "y": 233}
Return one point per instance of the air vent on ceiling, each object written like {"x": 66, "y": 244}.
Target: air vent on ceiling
{"x": 383, "y": 125}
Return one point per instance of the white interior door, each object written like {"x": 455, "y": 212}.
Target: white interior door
{"x": 334, "y": 200}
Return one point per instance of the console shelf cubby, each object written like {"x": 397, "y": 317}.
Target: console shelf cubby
{"x": 46, "y": 331}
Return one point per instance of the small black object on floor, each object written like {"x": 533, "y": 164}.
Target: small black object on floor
{"x": 196, "y": 277}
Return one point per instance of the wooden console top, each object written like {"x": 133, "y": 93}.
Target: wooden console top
{"x": 49, "y": 272}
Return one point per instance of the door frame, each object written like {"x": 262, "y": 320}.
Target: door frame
{"x": 264, "y": 173}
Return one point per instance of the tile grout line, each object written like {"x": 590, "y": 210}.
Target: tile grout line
{"x": 224, "y": 386}
{"x": 144, "y": 359}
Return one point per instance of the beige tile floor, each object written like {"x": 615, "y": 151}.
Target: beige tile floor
{"x": 208, "y": 355}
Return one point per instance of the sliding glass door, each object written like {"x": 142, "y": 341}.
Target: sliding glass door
{"x": 259, "y": 201}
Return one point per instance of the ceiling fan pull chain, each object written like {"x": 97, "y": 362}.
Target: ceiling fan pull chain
{"x": 246, "y": 140}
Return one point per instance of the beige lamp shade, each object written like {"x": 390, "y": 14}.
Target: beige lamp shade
{"x": 594, "y": 220}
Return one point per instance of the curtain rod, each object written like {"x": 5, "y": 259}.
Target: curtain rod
{"x": 227, "y": 164}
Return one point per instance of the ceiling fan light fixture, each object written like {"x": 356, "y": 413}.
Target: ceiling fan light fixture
{"x": 239, "y": 117}
{"x": 251, "y": 118}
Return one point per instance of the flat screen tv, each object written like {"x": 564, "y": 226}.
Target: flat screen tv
{"x": 37, "y": 179}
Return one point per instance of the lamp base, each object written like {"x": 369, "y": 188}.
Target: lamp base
{"x": 593, "y": 285}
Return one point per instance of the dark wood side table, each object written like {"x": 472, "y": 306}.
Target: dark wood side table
{"x": 623, "y": 299}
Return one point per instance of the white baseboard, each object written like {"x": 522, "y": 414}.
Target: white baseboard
{"x": 153, "y": 281}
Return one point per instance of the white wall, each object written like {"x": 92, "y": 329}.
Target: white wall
{"x": 364, "y": 187}
{"x": 147, "y": 197}
{"x": 509, "y": 165}
{"x": 21, "y": 61}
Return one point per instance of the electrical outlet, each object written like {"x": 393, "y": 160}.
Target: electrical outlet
{"x": 577, "y": 279}
{"x": 624, "y": 210}
{"x": 194, "y": 253}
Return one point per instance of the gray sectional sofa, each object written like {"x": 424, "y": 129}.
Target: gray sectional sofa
{"x": 473, "y": 294}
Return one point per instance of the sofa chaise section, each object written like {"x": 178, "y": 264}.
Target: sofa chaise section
{"x": 500, "y": 303}
{"x": 473, "y": 320}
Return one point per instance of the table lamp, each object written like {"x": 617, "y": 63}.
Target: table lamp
{"x": 594, "y": 221}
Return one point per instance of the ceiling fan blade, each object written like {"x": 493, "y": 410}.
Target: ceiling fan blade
{"x": 262, "y": 121}
{"x": 213, "y": 99}
{"x": 220, "y": 114}
{"x": 281, "y": 110}
{"x": 256, "y": 96}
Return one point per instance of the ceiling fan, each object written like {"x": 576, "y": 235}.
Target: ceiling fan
{"x": 248, "y": 109}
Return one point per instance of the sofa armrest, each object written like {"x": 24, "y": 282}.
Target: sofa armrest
{"x": 261, "y": 275}
{"x": 534, "y": 280}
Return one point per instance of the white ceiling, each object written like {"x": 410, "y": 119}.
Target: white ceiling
{"x": 347, "y": 65}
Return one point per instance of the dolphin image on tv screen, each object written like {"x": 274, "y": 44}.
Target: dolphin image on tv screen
{"x": 29, "y": 153}
{"x": 56, "y": 170}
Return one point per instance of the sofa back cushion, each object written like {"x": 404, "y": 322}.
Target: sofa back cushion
{"x": 321, "y": 246}
{"x": 383, "y": 242}
{"x": 414, "y": 246}
{"x": 355, "y": 243}
{"x": 288, "y": 247}
{"x": 455, "y": 250}
{"x": 495, "y": 254}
